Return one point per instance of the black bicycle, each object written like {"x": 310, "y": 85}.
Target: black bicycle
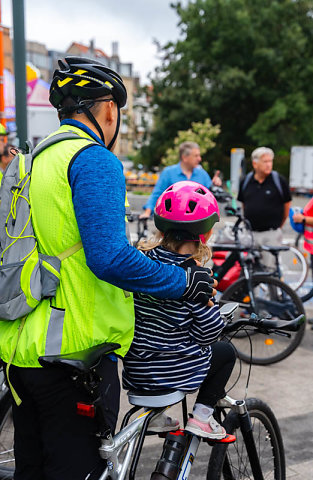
{"x": 142, "y": 229}
{"x": 289, "y": 263}
{"x": 262, "y": 294}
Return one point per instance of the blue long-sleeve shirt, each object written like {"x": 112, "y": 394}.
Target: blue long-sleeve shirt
{"x": 173, "y": 174}
{"x": 98, "y": 190}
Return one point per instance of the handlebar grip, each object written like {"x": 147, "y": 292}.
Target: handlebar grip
{"x": 265, "y": 325}
{"x": 284, "y": 325}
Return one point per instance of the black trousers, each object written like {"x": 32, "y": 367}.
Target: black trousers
{"x": 222, "y": 364}
{"x": 51, "y": 441}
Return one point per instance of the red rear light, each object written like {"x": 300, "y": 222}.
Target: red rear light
{"x": 86, "y": 410}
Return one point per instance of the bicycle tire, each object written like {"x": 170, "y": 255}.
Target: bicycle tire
{"x": 306, "y": 292}
{"x": 294, "y": 267}
{"x": 274, "y": 298}
{"x": 231, "y": 462}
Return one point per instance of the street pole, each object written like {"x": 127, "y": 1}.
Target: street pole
{"x": 20, "y": 71}
{"x": 2, "y": 106}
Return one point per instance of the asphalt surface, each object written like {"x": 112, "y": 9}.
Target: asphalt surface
{"x": 286, "y": 386}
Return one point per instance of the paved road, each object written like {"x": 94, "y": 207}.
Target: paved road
{"x": 286, "y": 386}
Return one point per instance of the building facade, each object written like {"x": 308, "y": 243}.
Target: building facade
{"x": 38, "y": 55}
{"x": 130, "y": 137}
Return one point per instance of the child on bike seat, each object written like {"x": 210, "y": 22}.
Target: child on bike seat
{"x": 175, "y": 342}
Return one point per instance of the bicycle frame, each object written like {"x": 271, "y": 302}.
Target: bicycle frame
{"x": 237, "y": 254}
{"x": 111, "y": 448}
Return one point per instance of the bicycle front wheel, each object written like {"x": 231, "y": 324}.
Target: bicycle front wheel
{"x": 273, "y": 299}
{"x": 231, "y": 461}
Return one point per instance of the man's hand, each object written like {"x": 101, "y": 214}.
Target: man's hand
{"x": 146, "y": 213}
{"x": 298, "y": 217}
{"x": 216, "y": 180}
{"x": 200, "y": 284}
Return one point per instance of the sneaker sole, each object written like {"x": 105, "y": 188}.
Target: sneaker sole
{"x": 201, "y": 433}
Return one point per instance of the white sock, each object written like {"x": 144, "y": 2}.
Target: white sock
{"x": 202, "y": 412}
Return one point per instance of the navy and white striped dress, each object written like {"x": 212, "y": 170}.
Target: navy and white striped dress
{"x": 172, "y": 337}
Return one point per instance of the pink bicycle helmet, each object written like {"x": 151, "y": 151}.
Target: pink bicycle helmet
{"x": 186, "y": 206}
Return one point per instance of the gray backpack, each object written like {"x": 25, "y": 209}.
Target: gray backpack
{"x": 26, "y": 275}
{"x": 276, "y": 180}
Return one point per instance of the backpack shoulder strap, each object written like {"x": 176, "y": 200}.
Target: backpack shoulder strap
{"x": 59, "y": 137}
{"x": 246, "y": 181}
{"x": 276, "y": 179}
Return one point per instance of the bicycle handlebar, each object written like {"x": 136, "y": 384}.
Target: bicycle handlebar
{"x": 136, "y": 217}
{"x": 265, "y": 325}
{"x": 220, "y": 194}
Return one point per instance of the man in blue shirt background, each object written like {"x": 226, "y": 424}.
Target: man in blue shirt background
{"x": 187, "y": 169}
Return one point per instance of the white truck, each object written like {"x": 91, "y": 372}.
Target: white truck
{"x": 301, "y": 170}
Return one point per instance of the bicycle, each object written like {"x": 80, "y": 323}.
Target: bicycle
{"x": 255, "y": 451}
{"x": 289, "y": 263}
{"x": 142, "y": 227}
{"x": 259, "y": 293}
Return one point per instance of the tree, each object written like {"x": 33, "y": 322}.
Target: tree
{"x": 201, "y": 133}
{"x": 248, "y": 64}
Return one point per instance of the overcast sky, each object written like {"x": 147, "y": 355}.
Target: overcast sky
{"x": 133, "y": 23}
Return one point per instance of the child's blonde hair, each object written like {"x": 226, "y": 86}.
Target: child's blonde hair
{"x": 171, "y": 242}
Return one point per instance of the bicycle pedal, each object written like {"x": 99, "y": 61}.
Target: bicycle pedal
{"x": 228, "y": 439}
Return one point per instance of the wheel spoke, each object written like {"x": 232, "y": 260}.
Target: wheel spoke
{"x": 272, "y": 298}
{"x": 231, "y": 462}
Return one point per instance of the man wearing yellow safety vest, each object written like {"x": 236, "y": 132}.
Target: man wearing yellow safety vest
{"x": 77, "y": 193}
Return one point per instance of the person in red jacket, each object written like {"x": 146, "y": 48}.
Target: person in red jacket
{"x": 307, "y": 219}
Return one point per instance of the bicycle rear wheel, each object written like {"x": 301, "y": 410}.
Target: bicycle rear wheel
{"x": 231, "y": 461}
{"x": 294, "y": 267}
{"x": 275, "y": 299}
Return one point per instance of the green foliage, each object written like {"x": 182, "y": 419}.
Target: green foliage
{"x": 141, "y": 192}
{"x": 248, "y": 65}
{"x": 201, "y": 133}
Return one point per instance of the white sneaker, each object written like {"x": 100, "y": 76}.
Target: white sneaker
{"x": 210, "y": 429}
{"x": 163, "y": 423}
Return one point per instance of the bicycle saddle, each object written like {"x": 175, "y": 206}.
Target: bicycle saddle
{"x": 83, "y": 361}
{"x": 155, "y": 398}
{"x": 271, "y": 248}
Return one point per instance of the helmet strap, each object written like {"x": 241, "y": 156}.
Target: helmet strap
{"x": 94, "y": 121}
{"x": 96, "y": 124}
{"x": 116, "y": 130}
{"x": 202, "y": 238}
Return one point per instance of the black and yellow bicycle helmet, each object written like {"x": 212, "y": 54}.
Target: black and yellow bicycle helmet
{"x": 85, "y": 80}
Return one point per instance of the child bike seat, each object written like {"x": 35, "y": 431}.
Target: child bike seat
{"x": 155, "y": 399}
